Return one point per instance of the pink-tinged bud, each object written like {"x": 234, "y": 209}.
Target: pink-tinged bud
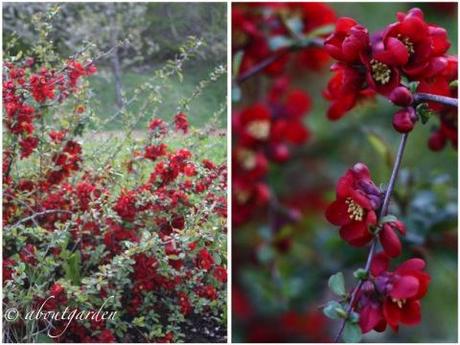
{"x": 390, "y": 241}
{"x": 263, "y": 194}
{"x": 280, "y": 153}
{"x": 401, "y": 96}
{"x": 404, "y": 120}
{"x": 437, "y": 141}
{"x": 294, "y": 214}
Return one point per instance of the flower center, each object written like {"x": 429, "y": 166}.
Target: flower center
{"x": 355, "y": 211}
{"x": 380, "y": 72}
{"x": 407, "y": 42}
{"x": 259, "y": 129}
{"x": 247, "y": 159}
{"x": 242, "y": 196}
{"x": 399, "y": 302}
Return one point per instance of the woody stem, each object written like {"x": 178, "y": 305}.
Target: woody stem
{"x": 383, "y": 213}
{"x": 428, "y": 97}
{"x": 259, "y": 67}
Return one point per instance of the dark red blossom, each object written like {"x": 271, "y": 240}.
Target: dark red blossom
{"x": 181, "y": 122}
{"x": 392, "y": 298}
{"x": 204, "y": 260}
{"x": 357, "y": 198}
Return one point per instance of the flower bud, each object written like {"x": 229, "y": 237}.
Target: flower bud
{"x": 390, "y": 241}
{"x": 280, "y": 153}
{"x": 401, "y": 96}
{"x": 437, "y": 141}
{"x": 404, "y": 120}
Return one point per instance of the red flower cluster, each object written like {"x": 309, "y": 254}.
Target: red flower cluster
{"x": 254, "y": 25}
{"x": 392, "y": 298}
{"x": 386, "y": 297}
{"x": 20, "y": 81}
{"x": 181, "y": 122}
{"x": 409, "y": 50}
{"x": 265, "y": 132}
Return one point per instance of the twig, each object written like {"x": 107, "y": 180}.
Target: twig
{"x": 38, "y": 214}
{"x": 272, "y": 58}
{"x": 428, "y": 97}
{"x": 383, "y": 213}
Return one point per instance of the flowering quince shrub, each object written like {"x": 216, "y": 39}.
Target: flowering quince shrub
{"x": 142, "y": 235}
{"x": 406, "y": 62}
{"x": 276, "y": 47}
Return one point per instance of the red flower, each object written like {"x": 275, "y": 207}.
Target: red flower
{"x": 348, "y": 41}
{"x": 344, "y": 90}
{"x": 28, "y": 146}
{"x": 392, "y": 297}
{"x": 56, "y": 290}
{"x": 357, "y": 198}
{"x": 204, "y": 260}
{"x": 107, "y": 336}
{"x": 181, "y": 122}
{"x": 152, "y": 152}
{"x": 126, "y": 206}
{"x": 184, "y": 303}
{"x": 412, "y": 43}
{"x": 220, "y": 273}
{"x": 380, "y": 76}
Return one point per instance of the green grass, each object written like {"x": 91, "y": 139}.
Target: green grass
{"x": 201, "y": 110}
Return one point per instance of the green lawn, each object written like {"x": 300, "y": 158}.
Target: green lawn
{"x": 202, "y": 107}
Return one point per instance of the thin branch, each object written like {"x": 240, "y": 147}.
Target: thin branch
{"x": 383, "y": 213}
{"x": 428, "y": 97}
{"x": 272, "y": 58}
{"x": 38, "y": 214}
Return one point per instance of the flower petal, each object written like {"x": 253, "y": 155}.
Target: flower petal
{"x": 380, "y": 263}
{"x": 390, "y": 241}
{"x": 337, "y": 213}
{"x": 411, "y": 313}
{"x": 392, "y": 313}
{"x": 405, "y": 287}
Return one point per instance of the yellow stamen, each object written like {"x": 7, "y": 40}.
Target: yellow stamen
{"x": 259, "y": 129}
{"x": 247, "y": 159}
{"x": 355, "y": 211}
{"x": 399, "y": 302}
{"x": 407, "y": 42}
{"x": 380, "y": 72}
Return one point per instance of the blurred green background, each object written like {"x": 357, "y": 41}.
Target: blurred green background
{"x": 287, "y": 272}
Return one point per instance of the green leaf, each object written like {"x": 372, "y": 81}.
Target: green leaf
{"x": 278, "y": 42}
{"x": 322, "y": 31}
{"x": 337, "y": 284}
{"x": 351, "y": 333}
{"x": 381, "y": 146}
{"x": 389, "y": 218}
{"x": 453, "y": 83}
{"x": 413, "y": 85}
{"x": 236, "y": 94}
{"x": 295, "y": 25}
{"x": 72, "y": 268}
{"x": 334, "y": 310}
{"x": 238, "y": 57}
{"x": 43, "y": 338}
{"x": 424, "y": 112}
{"x": 360, "y": 274}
